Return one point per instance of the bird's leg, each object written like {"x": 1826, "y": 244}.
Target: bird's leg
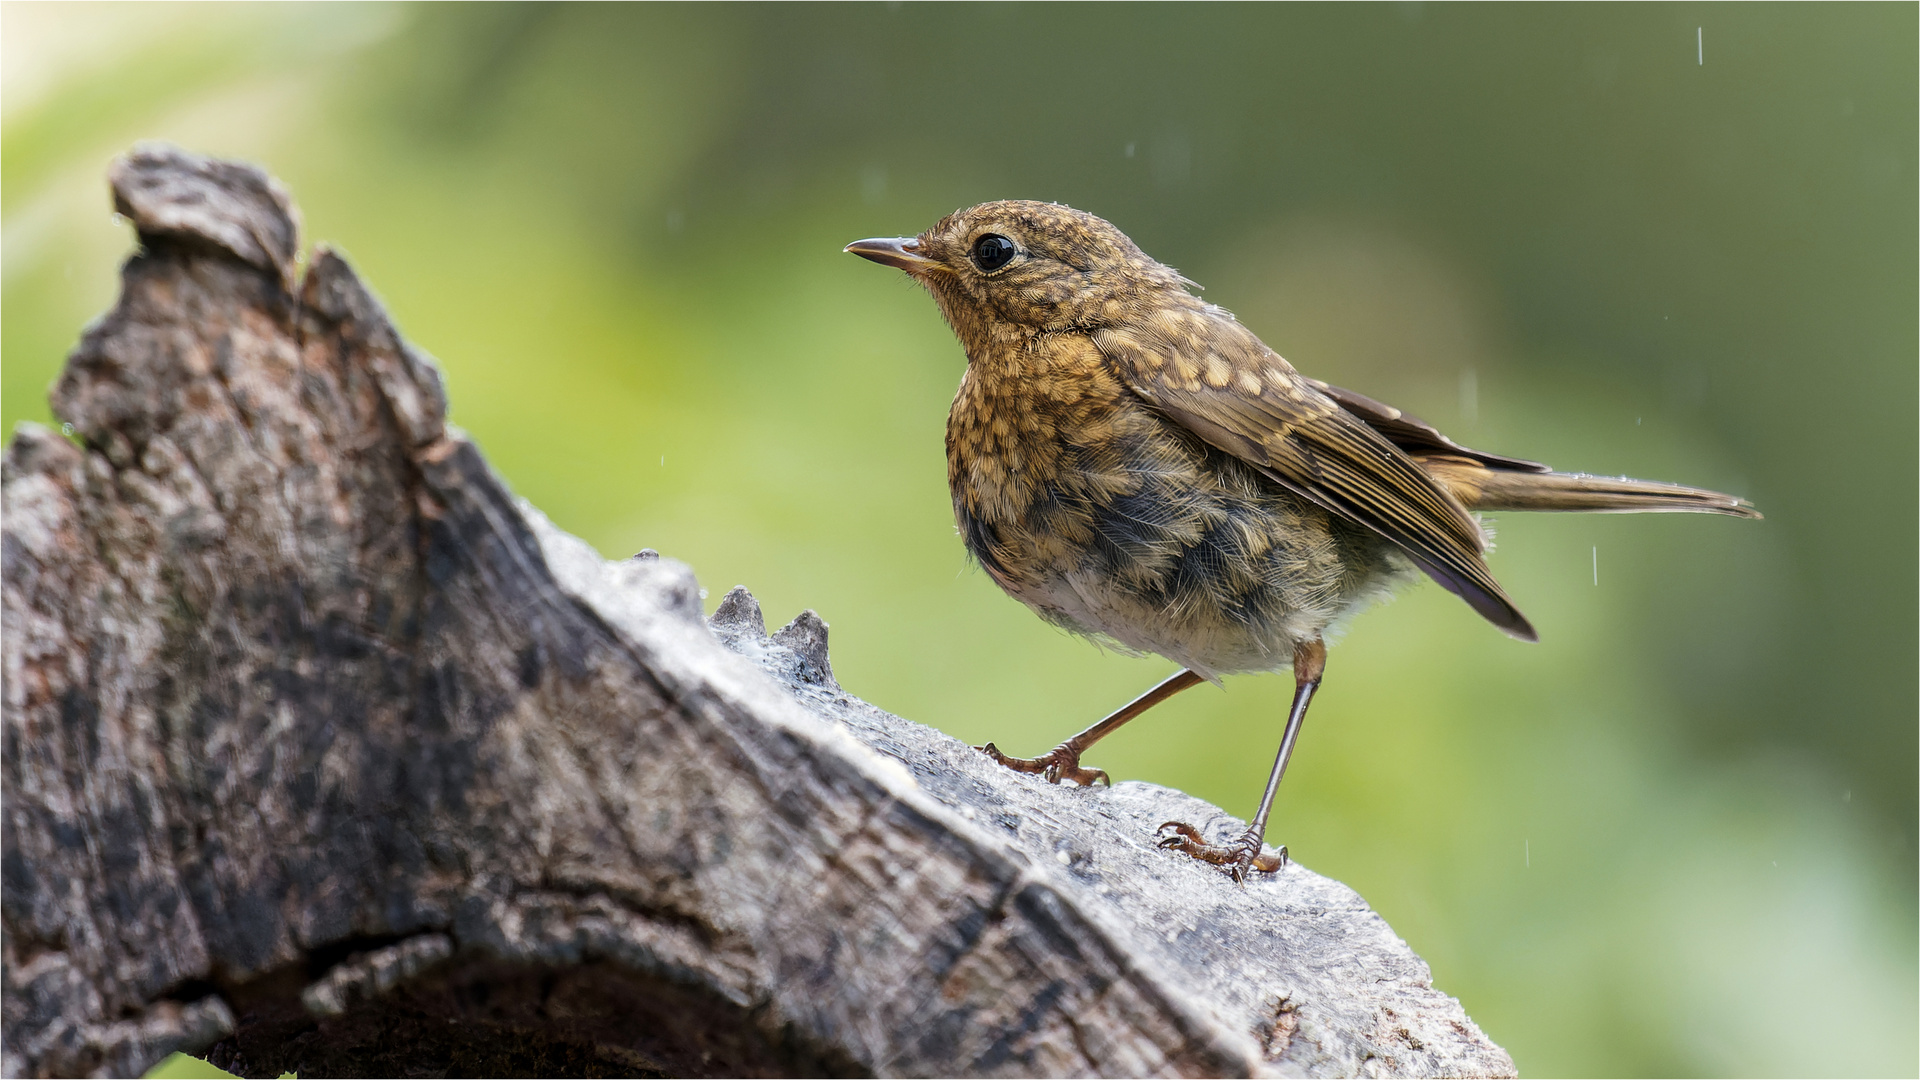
{"x": 1245, "y": 854}
{"x": 1063, "y": 761}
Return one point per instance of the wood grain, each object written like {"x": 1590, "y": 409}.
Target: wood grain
{"x": 323, "y": 753}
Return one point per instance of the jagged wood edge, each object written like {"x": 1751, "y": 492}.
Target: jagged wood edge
{"x": 111, "y": 1022}
{"x": 1091, "y": 1004}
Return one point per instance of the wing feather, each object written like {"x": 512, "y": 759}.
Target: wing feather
{"x": 1206, "y": 372}
{"x": 1414, "y": 435}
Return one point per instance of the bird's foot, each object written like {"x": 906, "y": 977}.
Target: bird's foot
{"x": 1060, "y": 763}
{"x": 1241, "y": 857}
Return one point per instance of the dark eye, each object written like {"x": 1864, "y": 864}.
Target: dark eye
{"x": 993, "y": 251}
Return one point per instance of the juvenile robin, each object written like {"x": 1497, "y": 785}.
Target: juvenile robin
{"x": 1134, "y": 465}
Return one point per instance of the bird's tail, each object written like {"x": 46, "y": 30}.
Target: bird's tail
{"x": 1481, "y": 488}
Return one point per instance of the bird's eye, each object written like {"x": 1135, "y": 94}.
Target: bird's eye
{"x": 993, "y": 251}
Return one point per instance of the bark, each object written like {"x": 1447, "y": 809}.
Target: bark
{"x": 322, "y": 753}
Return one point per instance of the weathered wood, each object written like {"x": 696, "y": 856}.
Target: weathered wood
{"x": 322, "y": 753}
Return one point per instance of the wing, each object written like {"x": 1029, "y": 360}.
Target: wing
{"x": 1483, "y": 481}
{"x": 1414, "y": 435}
{"x": 1206, "y": 372}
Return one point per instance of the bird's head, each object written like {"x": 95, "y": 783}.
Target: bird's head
{"x": 1028, "y": 266}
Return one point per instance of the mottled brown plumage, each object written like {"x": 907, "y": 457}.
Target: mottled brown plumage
{"x": 1133, "y": 464}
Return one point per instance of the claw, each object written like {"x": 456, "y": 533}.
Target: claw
{"x": 1241, "y": 857}
{"x": 1014, "y": 763}
{"x": 1060, "y": 763}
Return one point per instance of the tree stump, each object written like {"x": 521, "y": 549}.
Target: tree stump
{"x": 325, "y": 754}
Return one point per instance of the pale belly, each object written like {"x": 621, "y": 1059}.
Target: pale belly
{"x": 1196, "y": 557}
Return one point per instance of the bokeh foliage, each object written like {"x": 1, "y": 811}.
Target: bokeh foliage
{"x": 1677, "y": 837}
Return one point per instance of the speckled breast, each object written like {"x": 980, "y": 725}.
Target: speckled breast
{"x": 1108, "y": 520}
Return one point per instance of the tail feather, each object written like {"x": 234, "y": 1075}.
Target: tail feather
{"x": 1480, "y": 488}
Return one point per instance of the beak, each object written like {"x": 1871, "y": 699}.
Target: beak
{"x": 900, "y": 252}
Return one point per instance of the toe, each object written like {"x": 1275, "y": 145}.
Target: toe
{"x": 1025, "y": 765}
{"x": 1086, "y": 777}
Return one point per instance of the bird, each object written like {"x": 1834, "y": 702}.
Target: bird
{"x": 1135, "y": 465}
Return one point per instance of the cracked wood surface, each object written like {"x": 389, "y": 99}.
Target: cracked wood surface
{"x": 322, "y": 753}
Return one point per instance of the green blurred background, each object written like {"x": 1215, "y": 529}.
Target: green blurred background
{"x": 1678, "y": 241}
